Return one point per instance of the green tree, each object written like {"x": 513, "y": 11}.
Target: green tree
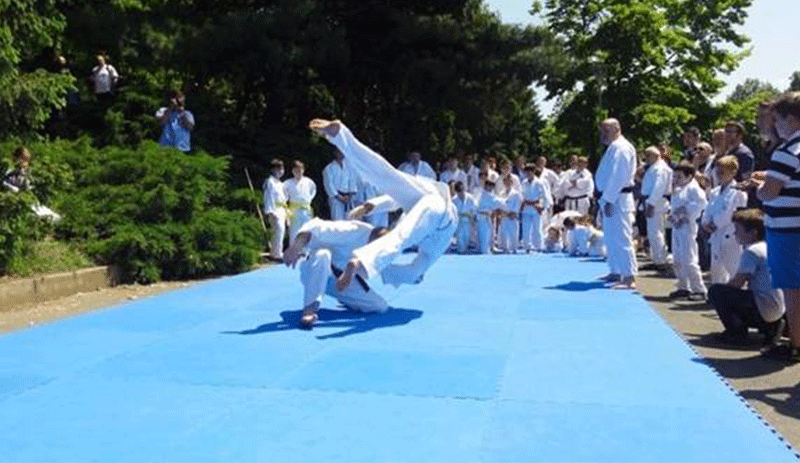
{"x": 28, "y": 91}
{"x": 750, "y": 87}
{"x": 653, "y": 64}
{"x": 795, "y": 82}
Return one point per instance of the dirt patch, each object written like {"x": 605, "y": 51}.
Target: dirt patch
{"x": 28, "y": 315}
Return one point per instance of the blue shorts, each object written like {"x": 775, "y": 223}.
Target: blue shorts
{"x": 783, "y": 258}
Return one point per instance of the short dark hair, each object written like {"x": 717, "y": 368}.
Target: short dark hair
{"x": 377, "y": 232}
{"x": 737, "y": 125}
{"x": 788, "y": 103}
{"x": 275, "y": 164}
{"x": 298, "y": 163}
{"x": 458, "y": 186}
{"x": 687, "y": 169}
{"x": 693, "y": 130}
{"x": 569, "y": 223}
{"x": 751, "y": 219}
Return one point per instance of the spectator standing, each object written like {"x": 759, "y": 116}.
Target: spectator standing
{"x": 734, "y": 139}
{"x": 472, "y": 172}
{"x": 104, "y": 77}
{"x": 656, "y": 188}
{"x": 724, "y": 201}
{"x": 690, "y": 139}
{"x": 452, "y": 174}
{"x": 688, "y": 203}
{"x": 779, "y": 190}
{"x": 275, "y": 208}
{"x": 578, "y": 187}
{"x": 340, "y": 185}
{"x": 300, "y": 191}
{"x": 416, "y": 166}
{"x": 176, "y": 122}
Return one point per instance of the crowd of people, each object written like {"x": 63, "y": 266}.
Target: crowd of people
{"x": 705, "y": 208}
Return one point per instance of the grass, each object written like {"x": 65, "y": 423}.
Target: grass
{"x": 48, "y": 257}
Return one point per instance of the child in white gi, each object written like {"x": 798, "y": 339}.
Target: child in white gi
{"x": 688, "y": 202}
{"x": 584, "y": 239}
{"x": 467, "y": 209}
{"x": 488, "y": 203}
{"x": 578, "y": 187}
{"x": 656, "y": 185}
{"x": 509, "y": 221}
{"x": 340, "y": 186}
{"x": 300, "y": 191}
{"x": 275, "y": 208}
{"x": 534, "y": 201}
{"x": 725, "y": 199}
{"x": 553, "y": 241}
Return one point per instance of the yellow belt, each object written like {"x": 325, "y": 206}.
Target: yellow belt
{"x": 294, "y": 207}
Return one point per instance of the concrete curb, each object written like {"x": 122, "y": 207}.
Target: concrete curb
{"x": 53, "y": 286}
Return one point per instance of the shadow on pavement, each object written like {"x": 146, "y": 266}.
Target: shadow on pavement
{"x": 579, "y": 286}
{"x": 351, "y": 321}
{"x": 784, "y": 400}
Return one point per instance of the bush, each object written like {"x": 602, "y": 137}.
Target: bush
{"x": 157, "y": 213}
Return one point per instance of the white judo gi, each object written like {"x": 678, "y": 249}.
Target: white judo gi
{"x": 429, "y": 222}
{"x": 299, "y": 195}
{"x": 656, "y": 185}
{"x": 692, "y": 199}
{"x": 509, "y": 223}
{"x": 467, "y": 210}
{"x": 725, "y": 250}
{"x": 454, "y": 176}
{"x": 275, "y": 210}
{"x": 577, "y": 187}
{"x": 532, "y": 221}
{"x": 378, "y": 218}
{"x": 487, "y": 203}
{"x": 614, "y": 178}
{"x": 327, "y": 252}
{"x": 337, "y": 179}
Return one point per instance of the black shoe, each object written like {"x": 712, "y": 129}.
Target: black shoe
{"x": 679, "y": 294}
{"x": 649, "y": 267}
{"x": 696, "y": 297}
{"x": 782, "y": 352}
{"x": 773, "y": 332}
{"x": 734, "y": 338}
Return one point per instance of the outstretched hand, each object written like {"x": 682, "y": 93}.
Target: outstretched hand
{"x": 325, "y": 127}
{"x": 360, "y": 211}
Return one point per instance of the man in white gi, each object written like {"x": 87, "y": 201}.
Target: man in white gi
{"x": 473, "y": 174}
{"x": 656, "y": 185}
{"x": 340, "y": 186}
{"x": 508, "y": 228}
{"x": 488, "y": 204}
{"x": 300, "y": 191}
{"x": 275, "y": 208}
{"x": 429, "y": 222}
{"x": 417, "y": 167}
{"x": 322, "y": 248}
{"x": 614, "y": 178}
{"x": 578, "y": 187}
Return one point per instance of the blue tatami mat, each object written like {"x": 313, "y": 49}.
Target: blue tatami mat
{"x": 491, "y": 358}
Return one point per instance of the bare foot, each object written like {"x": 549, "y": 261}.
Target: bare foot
{"x": 626, "y": 283}
{"x": 325, "y": 127}
{"x": 346, "y": 277}
{"x": 309, "y": 316}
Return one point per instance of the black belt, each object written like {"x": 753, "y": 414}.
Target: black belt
{"x": 577, "y": 197}
{"x": 627, "y": 189}
{"x": 665, "y": 197}
{"x": 346, "y": 193}
{"x": 337, "y": 273}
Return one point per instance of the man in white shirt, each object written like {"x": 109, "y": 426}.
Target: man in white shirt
{"x": 614, "y": 179}
{"x": 656, "y": 186}
{"x": 416, "y": 166}
{"x": 104, "y": 77}
{"x": 429, "y": 222}
{"x": 340, "y": 186}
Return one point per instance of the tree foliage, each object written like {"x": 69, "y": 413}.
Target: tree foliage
{"x": 653, "y": 64}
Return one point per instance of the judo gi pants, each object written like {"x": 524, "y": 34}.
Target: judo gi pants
{"x": 618, "y": 232}
{"x": 277, "y": 221}
{"x": 298, "y": 218}
{"x": 318, "y": 279}
{"x": 484, "y": 226}
{"x": 685, "y": 260}
{"x": 509, "y": 234}
{"x": 532, "y": 232}
{"x": 463, "y": 234}
{"x": 655, "y": 233}
{"x": 338, "y": 209}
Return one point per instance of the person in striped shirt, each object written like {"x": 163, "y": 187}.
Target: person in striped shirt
{"x": 779, "y": 190}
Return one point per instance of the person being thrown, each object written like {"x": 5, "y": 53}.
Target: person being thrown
{"x": 429, "y": 222}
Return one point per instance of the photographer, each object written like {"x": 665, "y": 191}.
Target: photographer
{"x": 177, "y": 123}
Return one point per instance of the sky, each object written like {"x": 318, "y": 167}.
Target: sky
{"x": 772, "y": 25}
